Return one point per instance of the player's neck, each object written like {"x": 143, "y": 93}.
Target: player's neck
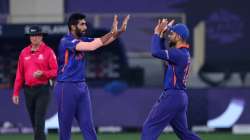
{"x": 75, "y": 35}
{"x": 179, "y": 43}
{"x": 34, "y": 47}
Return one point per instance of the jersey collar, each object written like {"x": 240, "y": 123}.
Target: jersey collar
{"x": 40, "y": 48}
{"x": 182, "y": 46}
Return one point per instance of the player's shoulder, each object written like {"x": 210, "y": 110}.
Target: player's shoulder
{"x": 48, "y": 49}
{"x": 65, "y": 38}
{"x": 68, "y": 39}
{"x": 26, "y": 49}
{"x": 185, "y": 55}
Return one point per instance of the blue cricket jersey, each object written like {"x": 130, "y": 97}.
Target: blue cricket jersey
{"x": 71, "y": 62}
{"x": 178, "y": 62}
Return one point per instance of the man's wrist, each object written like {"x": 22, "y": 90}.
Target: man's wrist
{"x": 115, "y": 34}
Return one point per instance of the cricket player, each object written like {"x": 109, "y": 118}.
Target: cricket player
{"x": 71, "y": 89}
{"x": 171, "y": 106}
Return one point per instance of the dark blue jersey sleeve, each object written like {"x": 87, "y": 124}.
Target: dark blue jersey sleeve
{"x": 158, "y": 50}
{"x": 162, "y": 40}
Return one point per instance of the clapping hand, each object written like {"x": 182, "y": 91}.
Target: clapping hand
{"x": 162, "y": 26}
{"x": 38, "y": 74}
{"x": 124, "y": 24}
{"x": 123, "y": 27}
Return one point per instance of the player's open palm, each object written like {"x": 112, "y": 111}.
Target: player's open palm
{"x": 159, "y": 28}
{"x": 162, "y": 26}
{"x": 124, "y": 24}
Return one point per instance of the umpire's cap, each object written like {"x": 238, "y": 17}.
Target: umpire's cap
{"x": 35, "y": 30}
{"x": 181, "y": 29}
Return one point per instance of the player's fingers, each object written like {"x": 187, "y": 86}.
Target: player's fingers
{"x": 162, "y": 24}
{"x": 164, "y": 20}
{"x": 115, "y": 20}
{"x": 171, "y": 22}
{"x": 115, "y": 17}
{"x": 159, "y": 21}
{"x": 125, "y": 20}
{"x": 115, "y": 23}
{"x": 128, "y": 16}
{"x": 124, "y": 27}
{"x": 124, "y": 23}
{"x": 15, "y": 100}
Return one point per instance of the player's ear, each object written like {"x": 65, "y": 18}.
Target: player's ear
{"x": 179, "y": 37}
{"x": 73, "y": 27}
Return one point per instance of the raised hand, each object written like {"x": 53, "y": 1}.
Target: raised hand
{"x": 170, "y": 23}
{"x": 166, "y": 28}
{"x": 162, "y": 26}
{"x": 115, "y": 31}
{"x": 124, "y": 24}
{"x": 157, "y": 30}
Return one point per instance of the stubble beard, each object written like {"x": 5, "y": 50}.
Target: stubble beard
{"x": 172, "y": 44}
{"x": 79, "y": 33}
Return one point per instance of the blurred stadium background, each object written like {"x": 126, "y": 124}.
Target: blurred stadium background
{"x": 124, "y": 79}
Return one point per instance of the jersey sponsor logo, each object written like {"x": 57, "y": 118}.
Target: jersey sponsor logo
{"x": 75, "y": 40}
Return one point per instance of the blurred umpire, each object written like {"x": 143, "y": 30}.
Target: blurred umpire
{"x": 36, "y": 66}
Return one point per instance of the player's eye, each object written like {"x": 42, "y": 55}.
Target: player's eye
{"x": 171, "y": 33}
{"x": 82, "y": 23}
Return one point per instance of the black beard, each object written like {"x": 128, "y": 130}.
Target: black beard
{"x": 172, "y": 44}
{"x": 78, "y": 33}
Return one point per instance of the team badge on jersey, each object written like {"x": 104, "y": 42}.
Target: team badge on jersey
{"x": 40, "y": 57}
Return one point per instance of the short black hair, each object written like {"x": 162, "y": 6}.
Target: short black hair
{"x": 74, "y": 18}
